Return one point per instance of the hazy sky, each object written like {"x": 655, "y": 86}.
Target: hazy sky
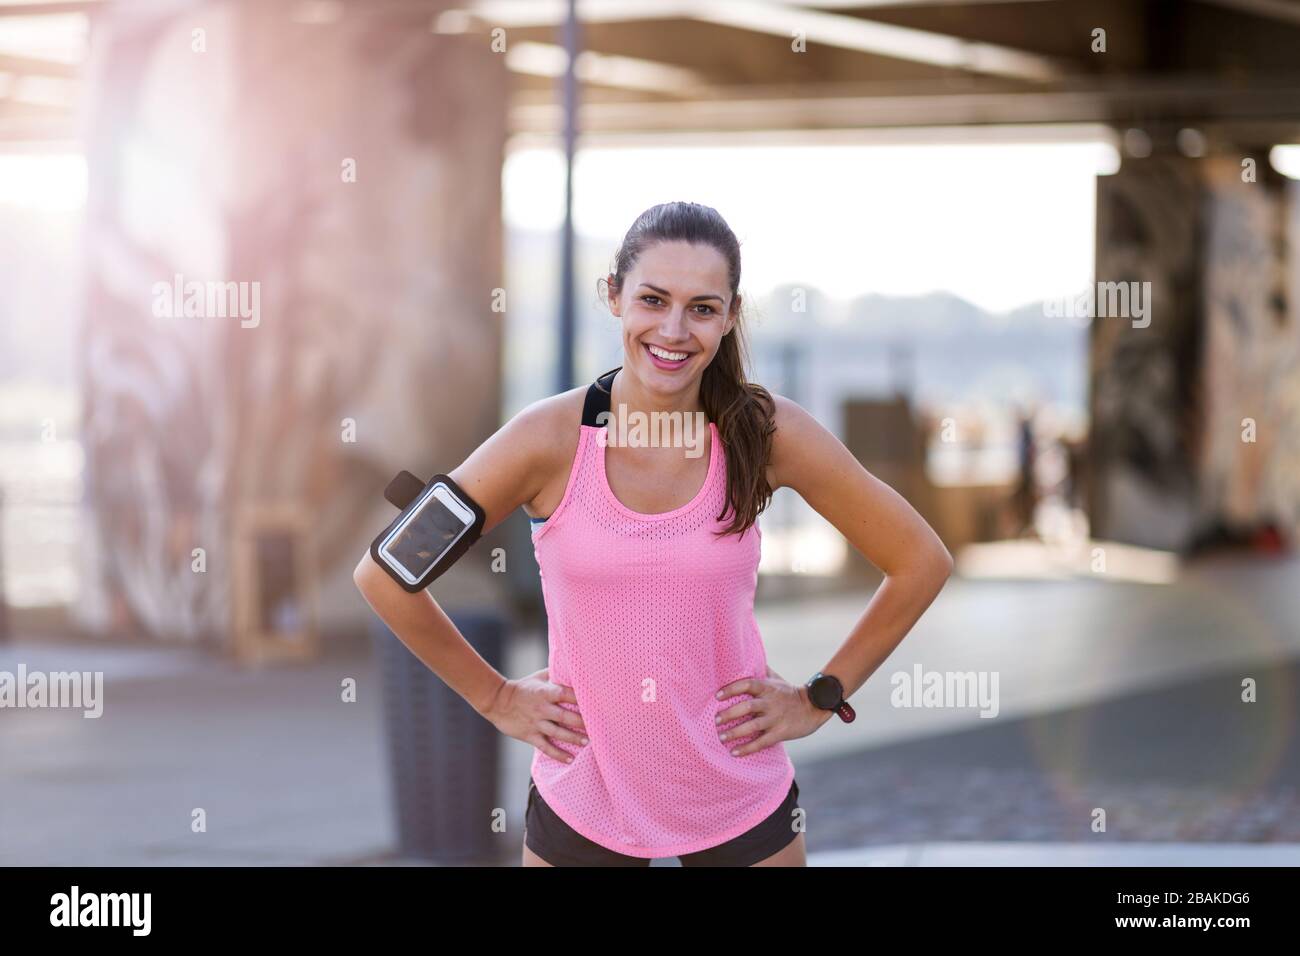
{"x": 999, "y": 225}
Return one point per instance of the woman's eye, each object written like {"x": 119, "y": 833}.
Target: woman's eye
{"x": 655, "y": 300}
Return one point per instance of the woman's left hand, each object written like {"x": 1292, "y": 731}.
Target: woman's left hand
{"x": 777, "y": 710}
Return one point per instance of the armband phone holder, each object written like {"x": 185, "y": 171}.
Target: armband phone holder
{"x": 438, "y": 523}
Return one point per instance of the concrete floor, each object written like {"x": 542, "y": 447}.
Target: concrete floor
{"x": 1112, "y": 694}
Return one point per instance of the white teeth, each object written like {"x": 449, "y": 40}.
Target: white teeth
{"x": 667, "y": 356}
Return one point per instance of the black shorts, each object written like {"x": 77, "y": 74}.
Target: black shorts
{"x": 560, "y": 845}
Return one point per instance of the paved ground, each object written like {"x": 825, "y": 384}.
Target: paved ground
{"x": 1119, "y": 696}
{"x": 1063, "y": 854}
{"x": 286, "y": 772}
{"x": 1187, "y": 762}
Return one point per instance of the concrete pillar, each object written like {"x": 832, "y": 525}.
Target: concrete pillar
{"x": 339, "y": 166}
{"x": 1170, "y": 463}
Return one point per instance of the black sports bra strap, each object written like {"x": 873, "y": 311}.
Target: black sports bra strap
{"x": 598, "y": 396}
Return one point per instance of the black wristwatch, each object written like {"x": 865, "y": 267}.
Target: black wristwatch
{"x": 827, "y": 693}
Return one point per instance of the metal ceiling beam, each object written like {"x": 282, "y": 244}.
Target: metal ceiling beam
{"x": 18, "y": 110}
{"x": 755, "y": 16}
{"x": 881, "y": 39}
{"x": 603, "y": 69}
{"x": 42, "y": 9}
{"x": 1140, "y": 102}
{"x": 878, "y": 136}
{"x": 550, "y": 13}
{"x": 31, "y": 66}
{"x": 1270, "y": 9}
{"x": 864, "y": 4}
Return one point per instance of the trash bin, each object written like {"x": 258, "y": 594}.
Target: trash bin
{"x": 442, "y": 754}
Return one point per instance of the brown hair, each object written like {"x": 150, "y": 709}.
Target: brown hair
{"x": 744, "y": 411}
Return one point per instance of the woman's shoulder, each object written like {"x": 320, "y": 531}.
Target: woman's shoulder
{"x": 788, "y": 416}
{"x": 549, "y": 426}
{"x": 556, "y": 414}
{"x": 797, "y": 432}
{"x": 551, "y": 429}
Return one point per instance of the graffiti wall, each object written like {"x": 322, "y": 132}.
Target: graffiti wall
{"x": 1250, "y": 458}
{"x": 1196, "y": 408}
{"x": 1144, "y": 396}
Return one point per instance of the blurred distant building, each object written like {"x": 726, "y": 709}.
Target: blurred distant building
{"x": 891, "y": 440}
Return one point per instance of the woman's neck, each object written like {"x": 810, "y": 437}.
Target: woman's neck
{"x": 626, "y": 391}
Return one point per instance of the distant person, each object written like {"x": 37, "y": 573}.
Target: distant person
{"x": 1073, "y": 471}
{"x": 1026, "y": 496}
{"x": 657, "y": 725}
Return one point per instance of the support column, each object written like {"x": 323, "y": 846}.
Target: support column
{"x": 1171, "y": 460}
{"x": 340, "y": 172}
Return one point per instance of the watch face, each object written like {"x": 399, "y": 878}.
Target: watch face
{"x": 825, "y": 692}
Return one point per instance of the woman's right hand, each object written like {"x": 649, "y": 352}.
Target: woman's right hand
{"x": 529, "y": 709}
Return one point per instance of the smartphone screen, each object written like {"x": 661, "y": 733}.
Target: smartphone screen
{"x": 422, "y": 540}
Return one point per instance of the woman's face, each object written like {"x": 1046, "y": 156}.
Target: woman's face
{"x": 677, "y": 300}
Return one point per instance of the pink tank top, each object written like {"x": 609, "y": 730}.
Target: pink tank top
{"x": 649, "y": 615}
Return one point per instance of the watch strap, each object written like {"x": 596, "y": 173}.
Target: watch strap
{"x": 843, "y": 708}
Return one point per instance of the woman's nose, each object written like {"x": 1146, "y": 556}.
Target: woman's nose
{"x": 673, "y": 325}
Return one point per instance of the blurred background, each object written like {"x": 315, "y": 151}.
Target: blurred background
{"x": 1036, "y": 264}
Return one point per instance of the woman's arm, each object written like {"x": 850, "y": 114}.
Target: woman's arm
{"x": 506, "y": 471}
{"x": 876, "y": 520}
{"x": 889, "y": 533}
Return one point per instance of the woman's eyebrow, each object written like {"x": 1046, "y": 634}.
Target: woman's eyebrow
{"x": 669, "y": 294}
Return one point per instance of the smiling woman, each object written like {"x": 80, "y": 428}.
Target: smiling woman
{"x": 675, "y": 718}
{"x": 657, "y": 724}
{"x": 675, "y": 285}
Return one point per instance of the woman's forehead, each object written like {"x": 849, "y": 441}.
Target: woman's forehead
{"x": 682, "y": 267}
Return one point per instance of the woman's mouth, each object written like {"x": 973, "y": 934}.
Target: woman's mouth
{"x": 666, "y": 359}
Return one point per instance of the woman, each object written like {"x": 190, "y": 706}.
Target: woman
{"x": 657, "y": 725}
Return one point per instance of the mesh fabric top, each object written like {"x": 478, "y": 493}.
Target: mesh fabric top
{"x": 648, "y": 616}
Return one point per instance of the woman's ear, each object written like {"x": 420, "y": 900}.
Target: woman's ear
{"x": 733, "y": 315}
{"x": 611, "y": 295}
